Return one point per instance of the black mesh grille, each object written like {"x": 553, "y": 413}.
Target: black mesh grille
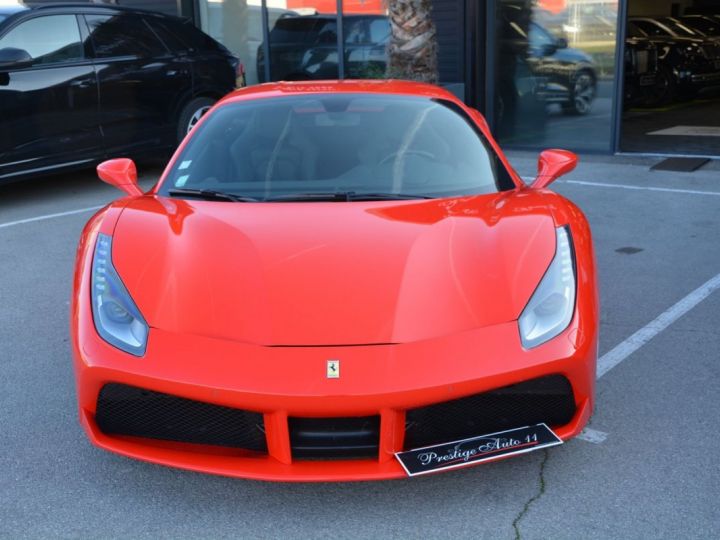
{"x": 127, "y": 410}
{"x": 547, "y": 399}
{"x": 335, "y": 438}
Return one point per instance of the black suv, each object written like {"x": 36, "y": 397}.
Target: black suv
{"x": 79, "y": 83}
{"x": 688, "y": 60}
{"x": 644, "y": 85}
{"x": 563, "y": 75}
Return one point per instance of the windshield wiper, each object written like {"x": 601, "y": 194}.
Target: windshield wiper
{"x": 345, "y": 196}
{"x": 211, "y": 195}
{"x": 386, "y": 196}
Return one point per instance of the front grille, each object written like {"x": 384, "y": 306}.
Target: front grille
{"x": 335, "y": 438}
{"x": 547, "y": 399}
{"x": 128, "y": 410}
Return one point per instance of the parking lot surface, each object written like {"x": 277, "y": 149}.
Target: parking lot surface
{"x": 647, "y": 468}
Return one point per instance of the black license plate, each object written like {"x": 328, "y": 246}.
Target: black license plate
{"x": 477, "y": 449}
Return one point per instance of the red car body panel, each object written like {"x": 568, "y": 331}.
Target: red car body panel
{"x": 332, "y": 274}
{"x": 247, "y": 302}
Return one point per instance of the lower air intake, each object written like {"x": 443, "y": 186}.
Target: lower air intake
{"x": 335, "y": 438}
{"x": 547, "y": 399}
{"x": 128, "y": 410}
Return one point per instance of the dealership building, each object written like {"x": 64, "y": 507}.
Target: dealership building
{"x": 605, "y": 76}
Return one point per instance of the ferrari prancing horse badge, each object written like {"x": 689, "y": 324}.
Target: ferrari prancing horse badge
{"x": 333, "y": 369}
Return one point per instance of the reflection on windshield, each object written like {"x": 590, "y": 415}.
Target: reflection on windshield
{"x": 335, "y": 147}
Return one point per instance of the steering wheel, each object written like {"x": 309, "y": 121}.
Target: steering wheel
{"x": 422, "y": 153}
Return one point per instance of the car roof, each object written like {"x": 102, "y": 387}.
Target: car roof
{"x": 369, "y": 86}
{"x": 86, "y": 7}
{"x": 12, "y": 9}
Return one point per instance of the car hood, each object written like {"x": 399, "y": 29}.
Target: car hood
{"x": 333, "y": 273}
{"x": 572, "y": 55}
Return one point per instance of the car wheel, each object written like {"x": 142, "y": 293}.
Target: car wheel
{"x": 191, "y": 115}
{"x": 583, "y": 94}
{"x": 664, "y": 89}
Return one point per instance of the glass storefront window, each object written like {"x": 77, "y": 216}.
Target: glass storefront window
{"x": 304, "y": 38}
{"x": 237, "y": 24}
{"x": 304, "y": 41}
{"x": 554, "y": 78}
{"x": 366, "y": 30}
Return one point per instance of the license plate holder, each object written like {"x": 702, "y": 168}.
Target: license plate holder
{"x": 466, "y": 452}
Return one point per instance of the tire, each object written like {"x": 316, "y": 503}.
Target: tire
{"x": 582, "y": 94}
{"x": 663, "y": 91}
{"x": 190, "y": 114}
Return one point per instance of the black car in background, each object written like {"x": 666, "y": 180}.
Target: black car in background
{"x": 644, "y": 85}
{"x": 564, "y": 75}
{"x": 304, "y": 47}
{"x": 79, "y": 83}
{"x": 570, "y": 73}
{"x": 688, "y": 60}
{"x": 708, "y": 25}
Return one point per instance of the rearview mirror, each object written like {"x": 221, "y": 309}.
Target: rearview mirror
{"x": 552, "y": 164}
{"x": 10, "y": 56}
{"x": 120, "y": 173}
{"x": 561, "y": 43}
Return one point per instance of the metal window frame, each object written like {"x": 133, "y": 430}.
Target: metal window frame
{"x": 490, "y": 53}
{"x": 340, "y": 39}
{"x": 619, "y": 95}
{"x": 265, "y": 17}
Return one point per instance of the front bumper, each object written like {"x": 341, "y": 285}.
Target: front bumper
{"x": 706, "y": 78}
{"x": 285, "y": 382}
{"x": 706, "y": 74}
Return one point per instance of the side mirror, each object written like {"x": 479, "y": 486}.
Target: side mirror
{"x": 10, "y": 57}
{"x": 120, "y": 173}
{"x": 552, "y": 164}
{"x": 561, "y": 43}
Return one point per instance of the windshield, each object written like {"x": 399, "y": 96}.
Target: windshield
{"x": 348, "y": 143}
{"x": 706, "y": 26}
{"x": 680, "y": 29}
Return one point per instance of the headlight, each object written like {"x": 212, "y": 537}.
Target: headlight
{"x": 117, "y": 319}
{"x": 552, "y": 304}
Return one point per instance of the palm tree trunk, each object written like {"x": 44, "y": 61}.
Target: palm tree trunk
{"x": 412, "y": 51}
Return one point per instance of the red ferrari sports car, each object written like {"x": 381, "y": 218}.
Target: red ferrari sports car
{"x": 335, "y": 281}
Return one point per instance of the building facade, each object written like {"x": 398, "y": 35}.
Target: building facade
{"x": 588, "y": 75}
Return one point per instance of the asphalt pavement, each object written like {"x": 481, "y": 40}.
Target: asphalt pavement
{"x": 652, "y": 471}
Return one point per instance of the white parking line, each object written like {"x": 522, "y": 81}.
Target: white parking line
{"x": 592, "y": 435}
{"x": 529, "y": 179}
{"x": 620, "y": 352}
{"x": 48, "y": 216}
{"x": 643, "y": 188}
